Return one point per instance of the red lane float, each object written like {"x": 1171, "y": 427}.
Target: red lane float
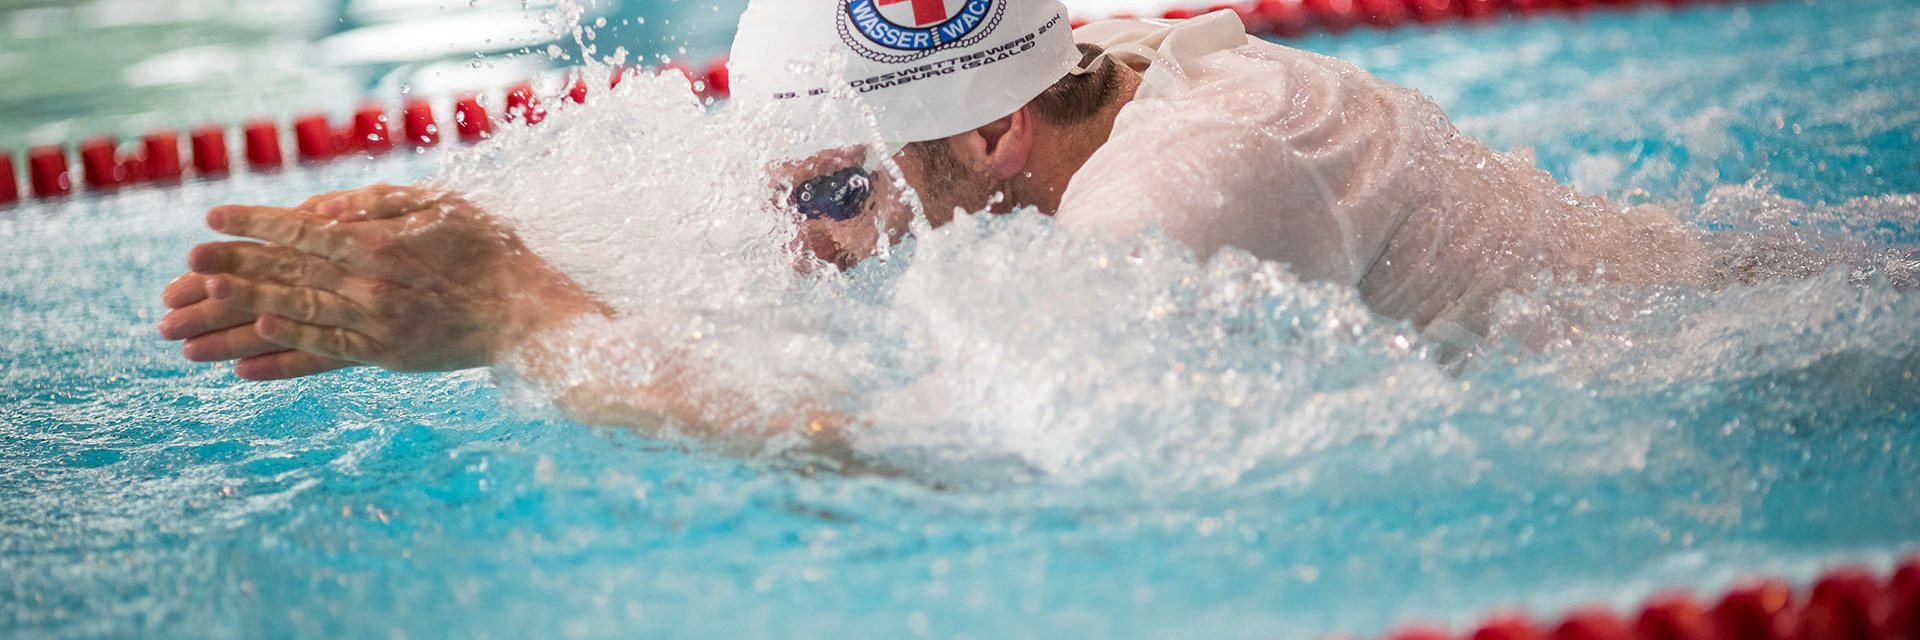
{"x": 1276, "y": 17}
{"x": 1903, "y": 603}
{"x": 1332, "y": 16}
{"x": 1904, "y": 614}
{"x": 1430, "y": 11}
{"x": 370, "y": 130}
{"x": 132, "y": 168}
{"x": 263, "y": 146}
{"x": 1530, "y": 6}
{"x": 1382, "y": 14}
{"x": 100, "y": 164}
{"x": 162, "y": 160}
{"x": 522, "y": 106}
{"x": 1846, "y": 604}
{"x": 1506, "y": 627}
{"x": 210, "y": 151}
{"x": 1754, "y": 612}
{"x": 471, "y": 120}
{"x": 313, "y": 138}
{"x": 420, "y": 128}
{"x": 1676, "y": 617}
{"x": 9, "y": 184}
{"x": 1592, "y": 624}
{"x": 719, "y": 83}
{"x": 50, "y": 175}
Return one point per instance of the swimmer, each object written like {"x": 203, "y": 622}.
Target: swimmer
{"x": 1192, "y": 127}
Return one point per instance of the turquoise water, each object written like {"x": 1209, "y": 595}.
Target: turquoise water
{"x": 1166, "y": 448}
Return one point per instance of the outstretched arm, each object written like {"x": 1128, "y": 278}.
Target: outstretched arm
{"x": 413, "y": 280}
{"x": 403, "y": 279}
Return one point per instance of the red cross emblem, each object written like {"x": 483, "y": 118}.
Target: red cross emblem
{"x": 926, "y": 13}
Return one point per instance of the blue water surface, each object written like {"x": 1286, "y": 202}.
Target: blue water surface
{"x": 145, "y": 496}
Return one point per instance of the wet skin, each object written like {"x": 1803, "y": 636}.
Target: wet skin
{"x": 415, "y": 280}
{"x": 396, "y": 277}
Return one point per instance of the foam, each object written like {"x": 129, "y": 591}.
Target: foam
{"x": 1000, "y": 349}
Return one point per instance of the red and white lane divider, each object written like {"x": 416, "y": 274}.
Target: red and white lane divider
{"x": 1845, "y": 604}
{"x": 106, "y": 165}
{"x": 1294, "y": 18}
{"x": 158, "y": 158}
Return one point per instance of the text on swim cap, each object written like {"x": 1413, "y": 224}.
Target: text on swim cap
{"x": 973, "y": 60}
{"x": 943, "y": 67}
{"x": 869, "y": 21}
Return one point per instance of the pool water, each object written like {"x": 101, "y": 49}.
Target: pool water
{"x": 1138, "y": 445}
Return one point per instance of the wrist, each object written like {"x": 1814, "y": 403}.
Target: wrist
{"x": 549, "y": 356}
{"x": 553, "y": 303}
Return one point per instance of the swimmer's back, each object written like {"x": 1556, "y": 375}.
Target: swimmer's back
{"x": 1308, "y": 160}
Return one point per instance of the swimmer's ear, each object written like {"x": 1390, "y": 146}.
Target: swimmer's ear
{"x": 1004, "y": 143}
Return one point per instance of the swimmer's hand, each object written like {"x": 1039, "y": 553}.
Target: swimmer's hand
{"x": 400, "y": 278}
{"x": 215, "y": 332}
{"x": 415, "y": 280}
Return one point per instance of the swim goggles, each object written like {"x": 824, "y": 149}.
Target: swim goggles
{"x": 834, "y": 196}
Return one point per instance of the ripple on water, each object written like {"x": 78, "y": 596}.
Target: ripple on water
{"x": 1103, "y": 438}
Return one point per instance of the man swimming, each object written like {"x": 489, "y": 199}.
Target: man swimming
{"x": 1191, "y": 127}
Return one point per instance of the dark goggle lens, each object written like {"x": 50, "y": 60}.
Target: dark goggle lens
{"x": 835, "y": 196}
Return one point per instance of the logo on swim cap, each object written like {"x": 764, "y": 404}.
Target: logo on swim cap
{"x": 916, "y": 27}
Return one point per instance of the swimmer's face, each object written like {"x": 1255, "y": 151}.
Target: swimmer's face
{"x": 842, "y": 237}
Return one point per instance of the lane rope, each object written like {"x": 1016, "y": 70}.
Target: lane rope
{"x": 1846, "y": 603}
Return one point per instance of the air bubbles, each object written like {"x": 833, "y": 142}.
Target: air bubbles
{"x": 1001, "y": 349}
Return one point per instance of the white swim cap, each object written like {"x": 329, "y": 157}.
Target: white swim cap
{"x": 924, "y": 69}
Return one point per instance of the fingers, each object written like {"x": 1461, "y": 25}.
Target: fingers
{"x": 216, "y": 332}
{"x": 231, "y": 343}
{"x": 289, "y": 227}
{"x": 376, "y": 202}
{"x": 257, "y": 359}
{"x": 268, "y": 263}
{"x": 370, "y": 246}
{"x": 184, "y": 290}
{"x": 219, "y": 257}
{"x": 251, "y": 302}
{"x": 311, "y": 203}
{"x": 328, "y": 342}
{"x": 305, "y": 304}
{"x": 202, "y": 317}
{"x": 281, "y": 365}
